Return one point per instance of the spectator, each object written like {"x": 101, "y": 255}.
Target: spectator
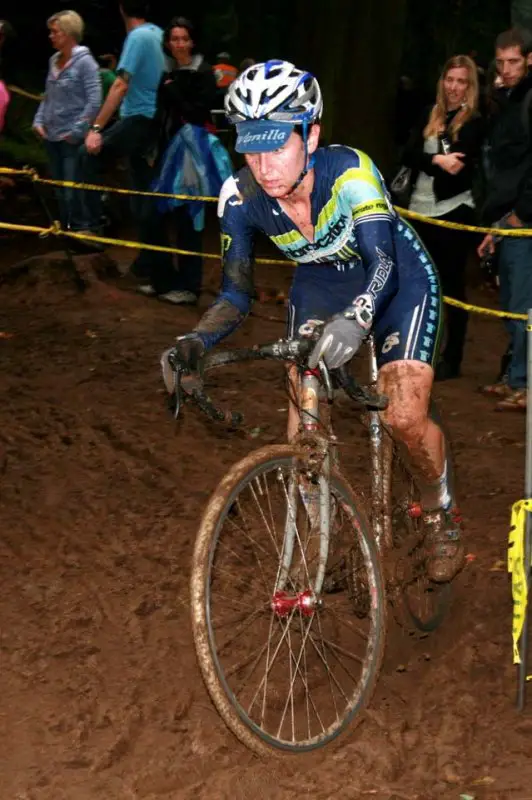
{"x": 72, "y": 97}
{"x": 508, "y": 204}
{"x": 443, "y": 152}
{"x": 134, "y": 95}
{"x": 193, "y": 163}
{"x": 224, "y": 72}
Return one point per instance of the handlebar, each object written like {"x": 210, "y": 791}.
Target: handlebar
{"x": 189, "y": 386}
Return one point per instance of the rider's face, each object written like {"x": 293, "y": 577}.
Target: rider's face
{"x": 277, "y": 171}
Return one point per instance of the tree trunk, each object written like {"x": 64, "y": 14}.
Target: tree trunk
{"x": 355, "y": 50}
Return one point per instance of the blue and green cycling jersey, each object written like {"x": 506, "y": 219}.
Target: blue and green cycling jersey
{"x": 364, "y": 259}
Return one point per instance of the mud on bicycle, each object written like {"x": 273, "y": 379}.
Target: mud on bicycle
{"x": 294, "y": 571}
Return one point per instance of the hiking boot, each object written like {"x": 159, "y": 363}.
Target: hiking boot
{"x": 445, "y": 550}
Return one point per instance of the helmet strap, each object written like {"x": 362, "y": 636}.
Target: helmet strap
{"x": 309, "y": 162}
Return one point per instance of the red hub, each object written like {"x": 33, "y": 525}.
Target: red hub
{"x": 283, "y": 603}
{"x": 415, "y": 510}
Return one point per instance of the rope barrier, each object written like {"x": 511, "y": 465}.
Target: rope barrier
{"x": 457, "y": 226}
{"x": 56, "y": 230}
{"x": 96, "y": 187}
{"x": 404, "y": 212}
{"x": 24, "y": 93}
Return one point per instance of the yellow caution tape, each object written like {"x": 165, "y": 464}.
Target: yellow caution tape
{"x": 457, "y": 226}
{"x": 404, "y": 212}
{"x": 56, "y": 230}
{"x": 518, "y": 570}
{"x": 98, "y": 188}
{"x": 24, "y": 93}
{"x": 9, "y": 171}
{"x": 53, "y": 229}
{"x": 490, "y": 312}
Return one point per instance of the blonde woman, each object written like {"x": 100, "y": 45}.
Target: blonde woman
{"x": 72, "y": 99}
{"x": 443, "y": 152}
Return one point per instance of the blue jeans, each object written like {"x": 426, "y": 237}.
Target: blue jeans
{"x": 515, "y": 276}
{"x": 132, "y": 138}
{"x": 65, "y": 166}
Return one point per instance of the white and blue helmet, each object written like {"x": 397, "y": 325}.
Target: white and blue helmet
{"x": 267, "y": 100}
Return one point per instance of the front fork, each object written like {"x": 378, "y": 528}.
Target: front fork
{"x": 315, "y": 498}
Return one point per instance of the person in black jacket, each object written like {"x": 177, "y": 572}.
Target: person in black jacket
{"x": 443, "y": 153}
{"x": 188, "y": 91}
{"x": 187, "y": 94}
{"x": 508, "y": 204}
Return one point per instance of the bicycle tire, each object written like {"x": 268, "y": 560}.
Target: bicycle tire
{"x": 219, "y": 507}
{"x": 408, "y": 537}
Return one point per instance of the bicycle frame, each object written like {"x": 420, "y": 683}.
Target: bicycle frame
{"x": 310, "y": 424}
{"x": 314, "y": 435}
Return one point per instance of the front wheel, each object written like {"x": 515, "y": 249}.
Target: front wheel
{"x": 288, "y": 613}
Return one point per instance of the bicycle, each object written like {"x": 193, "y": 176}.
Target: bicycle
{"x": 290, "y": 580}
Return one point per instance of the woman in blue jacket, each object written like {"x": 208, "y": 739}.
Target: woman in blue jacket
{"x": 72, "y": 99}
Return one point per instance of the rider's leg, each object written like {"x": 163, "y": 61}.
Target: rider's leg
{"x": 408, "y": 385}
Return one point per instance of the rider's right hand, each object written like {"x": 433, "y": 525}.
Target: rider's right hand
{"x": 188, "y": 350}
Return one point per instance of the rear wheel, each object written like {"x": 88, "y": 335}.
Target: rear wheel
{"x": 289, "y": 618}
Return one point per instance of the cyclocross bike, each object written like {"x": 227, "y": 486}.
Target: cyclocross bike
{"x": 293, "y": 570}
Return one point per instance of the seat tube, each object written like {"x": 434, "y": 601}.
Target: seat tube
{"x": 375, "y": 444}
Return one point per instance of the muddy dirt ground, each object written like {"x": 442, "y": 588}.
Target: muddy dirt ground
{"x": 101, "y": 697}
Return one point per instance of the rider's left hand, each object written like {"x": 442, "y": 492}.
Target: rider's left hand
{"x": 189, "y": 350}
{"x": 340, "y": 340}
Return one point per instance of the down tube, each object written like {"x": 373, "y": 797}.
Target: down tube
{"x": 375, "y": 444}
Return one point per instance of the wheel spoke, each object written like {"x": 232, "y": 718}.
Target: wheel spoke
{"x": 287, "y": 662}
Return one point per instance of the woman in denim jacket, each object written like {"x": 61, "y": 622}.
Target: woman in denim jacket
{"x": 72, "y": 99}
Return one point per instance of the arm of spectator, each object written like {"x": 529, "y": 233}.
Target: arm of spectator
{"x": 93, "y": 90}
{"x": 116, "y": 94}
{"x": 451, "y": 162}
{"x": 37, "y": 124}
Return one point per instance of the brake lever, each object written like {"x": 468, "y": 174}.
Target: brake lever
{"x": 326, "y": 377}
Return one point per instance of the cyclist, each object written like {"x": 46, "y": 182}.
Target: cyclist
{"x": 360, "y": 268}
